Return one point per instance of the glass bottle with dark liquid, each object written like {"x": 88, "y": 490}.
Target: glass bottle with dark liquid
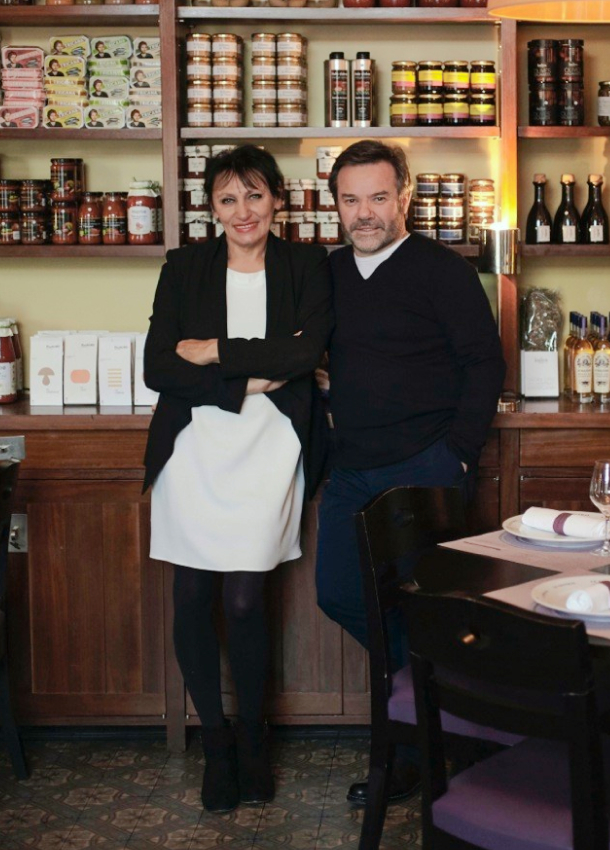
{"x": 566, "y": 224}
{"x": 539, "y": 221}
{"x": 594, "y": 224}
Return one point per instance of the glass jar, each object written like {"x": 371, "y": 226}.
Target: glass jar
{"x": 90, "y": 219}
{"x": 197, "y": 227}
{"x": 324, "y": 199}
{"x": 64, "y": 221}
{"x": 477, "y": 220}
{"x": 452, "y": 232}
{"x": 198, "y": 68}
{"x": 328, "y": 228}
{"x": 452, "y": 185}
{"x": 264, "y": 114}
{"x": 430, "y": 77}
{"x": 10, "y": 234}
{"x": 359, "y": 4}
{"x": 481, "y": 195}
{"x": 280, "y": 225}
{"x": 571, "y": 105}
{"x": 228, "y": 114}
{"x": 194, "y": 198}
{"x": 263, "y": 44}
{"x": 226, "y": 92}
{"x": 8, "y": 367}
{"x": 264, "y": 70}
{"x": 403, "y": 110}
{"x": 114, "y": 219}
{"x": 33, "y": 196}
{"x": 199, "y": 44}
{"x": 65, "y": 178}
{"x": 483, "y": 109}
{"x": 195, "y": 160}
{"x": 428, "y": 184}
{"x": 570, "y": 60}
{"x": 226, "y": 69}
{"x": 430, "y": 110}
{"x": 10, "y": 191}
{"x": 198, "y": 91}
{"x": 291, "y": 44}
{"x": 456, "y": 77}
{"x": 291, "y": 91}
{"x": 424, "y": 209}
{"x": 303, "y": 227}
{"x": 404, "y": 77}
{"x": 456, "y": 109}
{"x": 290, "y": 69}
{"x": 541, "y": 61}
{"x": 325, "y": 159}
{"x": 200, "y": 114}
{"x": 33, "y": 227}
{"x": 227, "y": 44}
{"x": 301, "y": 195}
{"x": 264, "y": 91}
{"x": 543, "y": 105}
{"x": 482, "y": 76}
{"x": 451, "y": 209}
{"x": 603, "y": 104}
{"x": 291, "y": 115}
{"x": 426, "y": 228}
{"x": 141, "y": 213}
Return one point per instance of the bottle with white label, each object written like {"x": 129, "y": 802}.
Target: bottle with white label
{"x": 539, "y": 221}
{"x": 363, "y": 90}
{"x": 566, "y": 224}
{"x": 8, "y": 365}
{"x": 582, "y": 366}
{"x": 594, "y": 225}
{"x": 601, "y": 363}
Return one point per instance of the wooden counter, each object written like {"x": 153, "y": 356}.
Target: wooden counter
{"x": 90, "y": 613}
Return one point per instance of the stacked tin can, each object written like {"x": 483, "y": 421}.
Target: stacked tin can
{"x": 438, "y": 209}
{"x": 481, "y": 206}
{"x": 556, "y": 82}
{"x": 196, "y": 215}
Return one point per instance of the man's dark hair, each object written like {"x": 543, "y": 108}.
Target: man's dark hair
{"x": 250, "y": 164}
{"x": 369, "y": 152}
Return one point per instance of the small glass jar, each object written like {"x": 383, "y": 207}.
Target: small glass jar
{"x": 114, "y": 219}
{"x": 452, "y": 232}
{"x": 543, "y": 105}
{"x": 33, "y": 196}
{"x": 301, "y": 195}
{"x": 428, "y": 184}
{"x": 290, "y": 69}
{"x": 571, "y": 105}
{"x": 291, "y": 115}
{"x": 482, "y": 76}
{"x": 477, "y": 220}
{"x": 264, "y": 91}
{"x": 451, "y": 209}
{"x": 403, "y": 110}
{"x": 426, "y": 228}
{"x": 264, "y": 114}
{"x": 456, "y": 77}
{"x": 10, "y": 191}
{"x": 227, "y": 44}
{"x": 541, "y": 61}
{"x": 10, "y": 233}
{"x": 291, "y": 44}
{"x": 570, "y": 60}
{"x": 328, "y": 228}
{"x": 603, "y": 104}
{"x": 64, "y": 221}
{"x": 424, "y": 209}
{"x": 481, "y": 195}
{"x": 404, "y": 77}
{"x": 430, "y": 110}
{"x": 263, "y": 44}
{"x": 34, "y": 228}
{"x": 65, "y": 178}
{"x": 194, "y": 198}
{"x": 198, "y": 68}
{"x": 280, "y": 225}
{"x": 198, "y": 91}
{"x": 200, "y": 114}
{"x": 325, "y": 159}
{"x": 483, "y": 109}
{"x": 452, "y": 185}
{"x": 430, "y": 77}
{"x": 291, "y": 91}
{"x": 8, "y": 366}
{"x": 303, "y": 227}
{"x": 141, "y": 213}
{"x": 197, "y": 227}
{"x": 226, "y": 92}
{"x": 324, "y": 199}
{"x": 229, "y": 114}
{"x": 456, "y": 109}
{"x": 199, "y": 44}
{"x": 226, "y": 69}
{"x": 90, "y": 219}
{"x": 264, "y": 70}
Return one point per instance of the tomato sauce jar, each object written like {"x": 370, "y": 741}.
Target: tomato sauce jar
{"x": 141, "y": 213}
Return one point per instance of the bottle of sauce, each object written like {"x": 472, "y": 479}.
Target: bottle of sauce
{"x": 114, "y": 219}
{"x": 141, "y": 213}
{"x": 90, "y": 220}
{"x": 18, "y": 352}
{"x": 8, "y": 366}
{"x": 64, "y": 222}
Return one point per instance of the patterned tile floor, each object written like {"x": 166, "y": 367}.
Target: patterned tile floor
{"x": 134, "y": 795}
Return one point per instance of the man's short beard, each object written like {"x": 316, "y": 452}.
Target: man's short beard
{"x": 391, "y": 234}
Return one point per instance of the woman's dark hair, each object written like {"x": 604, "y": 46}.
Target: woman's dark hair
{"x": 369, "y": 152}
{"x": 250, "y": 164}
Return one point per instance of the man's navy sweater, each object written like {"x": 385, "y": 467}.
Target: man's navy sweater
{"x": 415, "y": 357}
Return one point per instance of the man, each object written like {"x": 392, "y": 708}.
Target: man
{"x": 415, "y": 368}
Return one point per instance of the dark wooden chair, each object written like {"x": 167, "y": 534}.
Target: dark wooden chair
{"x": 9, "y": 471}
{"x": 397, "y": 525}
{"x": 536, "y": 679}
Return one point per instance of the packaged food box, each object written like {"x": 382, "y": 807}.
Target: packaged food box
{"x": 46, "y": 369}
{"x": 146, "y": 47}
{"x": 62, "y": 117}
{"x": 69, "y": 45}
{"x": 65, "y": 66}
{"x": 145, "y": 78}
{"x": 109, "y": 67}
{"x": 142, "y": 117}
{"x": 21, "y": 75}
{"x": 104, "y": 117}
{"x": 111, "y": 47}
{"x": 80, "y": 368}
{"x": 22, "y": 57}
{"x": 114, "y": 369}
{"x": 142, "y": 395}
{"x": 108, "y": 103}
{"x": 116, "y": 88}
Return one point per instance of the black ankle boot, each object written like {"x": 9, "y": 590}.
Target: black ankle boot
{"x": 256, "y": 783}
{"x": 220, "y": 789}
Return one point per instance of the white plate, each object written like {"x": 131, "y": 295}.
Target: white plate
{"x": 553, "y": 594}
{"x": 549, "y": 538}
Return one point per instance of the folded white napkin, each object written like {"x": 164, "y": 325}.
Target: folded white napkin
{"x": 564, "y": 522}
{"x": 593, "y": 600}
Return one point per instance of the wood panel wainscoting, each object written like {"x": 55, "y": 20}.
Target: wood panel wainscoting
{"x": 91, "y": 615}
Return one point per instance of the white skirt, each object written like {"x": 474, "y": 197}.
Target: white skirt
{"x": 231, "y": 495}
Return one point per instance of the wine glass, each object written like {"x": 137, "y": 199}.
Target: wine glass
{"x": 599, "y": 491}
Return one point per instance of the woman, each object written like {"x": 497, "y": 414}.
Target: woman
{"x": 239, "y": 324}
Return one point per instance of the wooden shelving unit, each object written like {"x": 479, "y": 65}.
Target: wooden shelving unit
{"x": 64, "y": 252}
{"x": 565, "y": 250}
{"x": 562, "y": 132}
{"x": 43, "y": 134}
{"x": 243, "y": 133}
{"x": 80, "y": 16}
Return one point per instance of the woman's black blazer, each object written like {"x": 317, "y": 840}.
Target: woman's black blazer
{"x": 190, "y": 303}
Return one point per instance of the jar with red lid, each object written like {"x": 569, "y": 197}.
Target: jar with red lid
{"x": 64, "y": 221}
{"x": 8, "y": 365}
{"x": 66, "y": 178}
{"x": 33, "y": 196}
{"x": 303, "y": 227}
{"x": 141, "y": 213}
{"x": 90, "y": 219}
{"x": 114, "y": 219}
{"x": 10, "y": 233}
{"x": 9, "y": 195}
{"x": 34, "y": 228}
{"x": 328, "y": 228}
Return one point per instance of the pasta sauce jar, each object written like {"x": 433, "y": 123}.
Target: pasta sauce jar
{"x": 141, "y": 213}
{"x": 90, "y": 219}
{"x": 64, "y": 223}
{"x": 114, "y": 219}
{"x": 8, "y": 366}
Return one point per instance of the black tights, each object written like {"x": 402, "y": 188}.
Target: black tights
{"x": 196, "y": 641}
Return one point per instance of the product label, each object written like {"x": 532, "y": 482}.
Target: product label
{"x": 363, "y": 90}
{"x": 596, "y": 233}
{"x": 307, "y": 230}
{"x": 325, "y": 198}
{"x": 450, "y": 212}
{"x": 325, "y": 164}
{"x": 291, "y": 119}
{"x": 114, "y": 226}
{"x": 290, "y": 72}
{"x": 199, "y": 119}
{"x": 295, "y": 48}
{"x": 263, "y": 70}
{"x": 195, "y": 164}
{"x": 483, "y": 81}
{"x": 487, "y": 110}
{"x": 8, "y": 379}
{"x": 603, "y": 107}
{"x": 339, "y": 106}
{"x": 89, "y": 228}
{"x": 140, "y": 221}
{"x": 227, "y": 119}
{"x": 456, "y": 110}
{"x": 455, "y": 79}
{"x": 427, "y": 188}
{"x": 265, "y": 95}
{"x": 430, "y": 110}
{"x": 329, "y": 231}
{"x": 199, "y": 70}
{"x": 435, "y": 77}
{"x": 197, "y": 197}
{"x": 297, "y": 198}
{"x": 408, "y": 109}
{"x": 583, "y": 366}
{"x": 226, "y": 72}
{"x": 568, "y": 232}
{"x": 403, "y": 79}
{"x": 198, "y": 230}
{"x": 264, "y": 119}
{"x": 543, "y": 233}
{"x": 451, "y": 235}
{"x": 601, "y": 372}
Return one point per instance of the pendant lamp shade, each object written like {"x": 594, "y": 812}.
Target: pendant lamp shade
{"x": 557, "y": 11}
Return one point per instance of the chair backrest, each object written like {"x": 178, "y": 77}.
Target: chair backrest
{"x": 536, "y": 679}
{"x": 9, "y": 471}
{"x": 400, "y": 523}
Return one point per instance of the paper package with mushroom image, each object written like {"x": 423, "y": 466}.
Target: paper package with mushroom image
{"x": 46, "y": 369}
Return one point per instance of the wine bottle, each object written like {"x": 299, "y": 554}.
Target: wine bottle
{"x": 539, "y": 221}
{"x": 601, "y": 364}
{"x": 594, "y": 224}
{"x": 568, "y": 350}
{"x": 582, "y": 366}
{"x": 566, "y": 224}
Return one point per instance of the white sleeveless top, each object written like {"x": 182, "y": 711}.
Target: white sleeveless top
{"x": 231, "y": 495}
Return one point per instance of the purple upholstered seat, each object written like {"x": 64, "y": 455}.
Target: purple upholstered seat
{"x": 401, "y": 707}
{"x": 518, "y": 799}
